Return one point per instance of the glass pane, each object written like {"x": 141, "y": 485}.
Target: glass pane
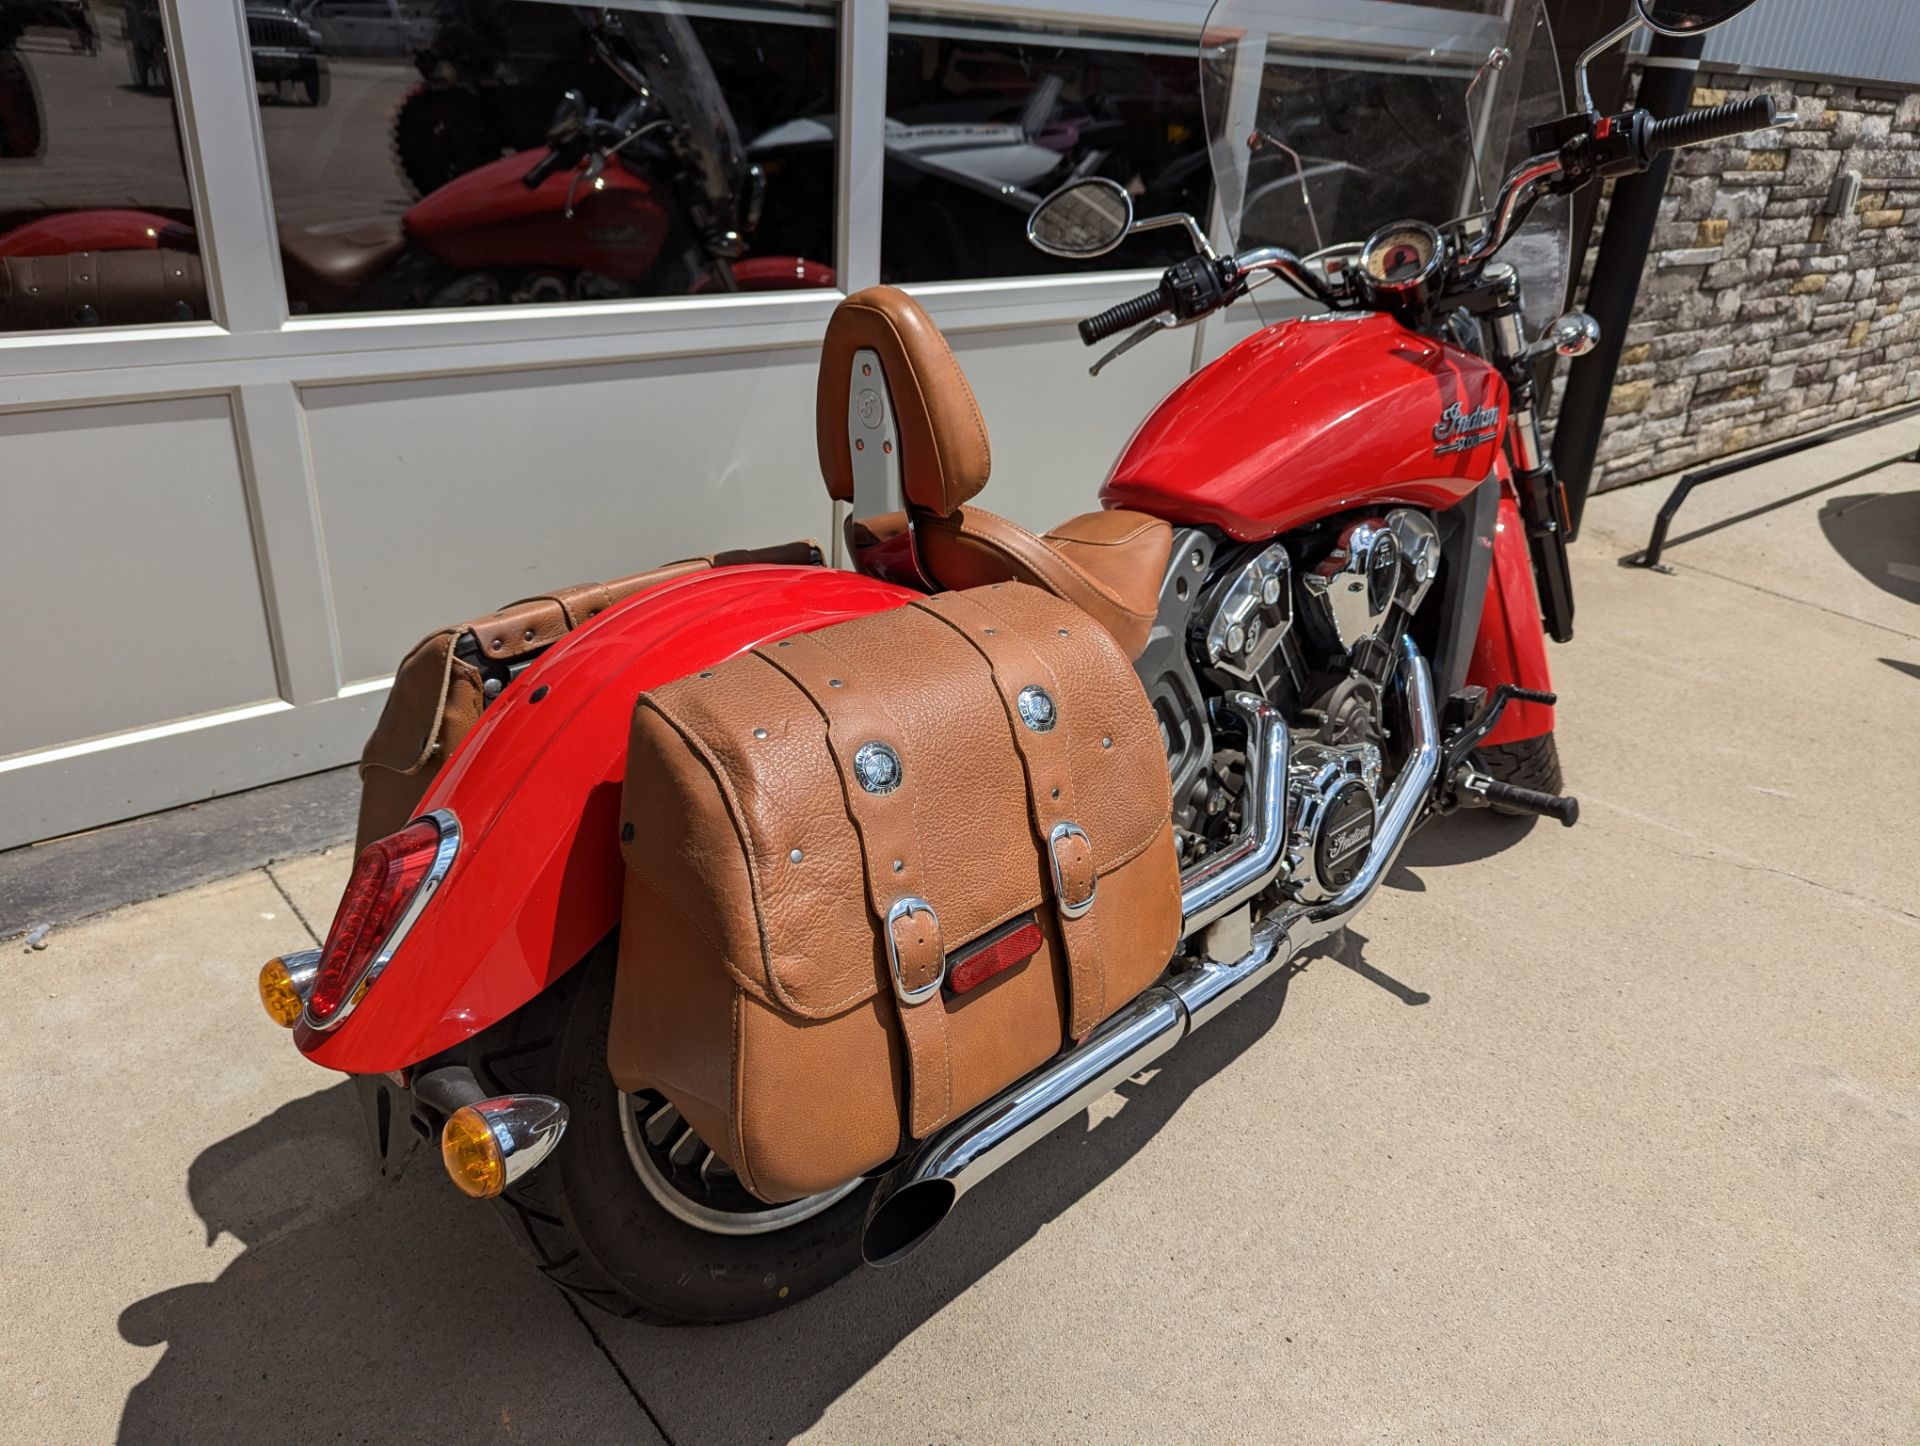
{"x": 96, "y": 226}
{"x": 505, "y": 152}
{"x": 986, "y": 118}
{"x": 1322, "y": 134}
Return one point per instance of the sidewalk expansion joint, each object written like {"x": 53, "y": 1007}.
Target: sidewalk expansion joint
{"x": 1801, "y": 602}
{"x": 619, "y": 1370}
{"x": 280, "y": 889}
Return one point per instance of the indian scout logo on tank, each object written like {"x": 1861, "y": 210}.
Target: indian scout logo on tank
{"x": 1462, "y": 431}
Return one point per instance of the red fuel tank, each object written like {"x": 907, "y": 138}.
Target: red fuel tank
{"x": 488, "y": 217}
{"x": 1312, "y": 417}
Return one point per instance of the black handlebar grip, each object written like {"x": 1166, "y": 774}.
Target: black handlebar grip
{"x": 542, "y": 168}
{"x": 1126, "y": 314}
{"x": 1717, "y": 123}
{"x": 1532, "y": 800}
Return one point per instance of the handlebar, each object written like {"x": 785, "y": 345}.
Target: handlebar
{"x": 1127, "y": 314}
{"x": 542, "y": 168}
{"x": 1576, "y": 151}
{"x": 1716, "y": 123}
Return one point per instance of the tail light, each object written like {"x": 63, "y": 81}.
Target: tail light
{"x": 391, "y": 882}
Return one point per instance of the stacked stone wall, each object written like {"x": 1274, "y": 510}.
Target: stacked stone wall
{"x": 1760, "y": 317}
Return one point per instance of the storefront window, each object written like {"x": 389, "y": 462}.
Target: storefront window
{"x": 985, "y": 118}
{"x": 507, "y": 152}
{"x": 96, "y": 225}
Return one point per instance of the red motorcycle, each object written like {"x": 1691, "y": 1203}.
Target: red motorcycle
{"x": 702, "y": 1080}
{"x": 643, "y": 203}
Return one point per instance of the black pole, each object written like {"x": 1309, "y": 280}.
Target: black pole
{"x": 1665, "y": 90}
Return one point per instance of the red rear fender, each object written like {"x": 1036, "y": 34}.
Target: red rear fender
{"x": 536, "y": 787}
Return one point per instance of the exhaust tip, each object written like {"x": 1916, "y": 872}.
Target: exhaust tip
{"x": 899, "y": 1222}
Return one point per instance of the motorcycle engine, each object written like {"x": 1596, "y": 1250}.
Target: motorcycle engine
{"x": 1335, "y": 794}
{"x": 1315, "y": 631}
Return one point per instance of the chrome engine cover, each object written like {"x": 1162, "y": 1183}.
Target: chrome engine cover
{"x": 1245, "y": 614}
{"x": 1333, "y": 813}
{"x": 1377, "y": 563}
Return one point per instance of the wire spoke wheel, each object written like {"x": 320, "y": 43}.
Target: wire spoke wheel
{"x": 693, "y": 1184}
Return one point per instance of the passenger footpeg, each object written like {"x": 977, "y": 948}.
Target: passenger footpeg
{"x": 1488, "y": 791}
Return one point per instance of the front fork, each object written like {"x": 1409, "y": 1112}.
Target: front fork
{"x": 1543, "y": 501}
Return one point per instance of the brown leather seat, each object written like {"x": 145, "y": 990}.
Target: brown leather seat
{"x": 324, "y": 268}
{"x": 1108, "y": 564}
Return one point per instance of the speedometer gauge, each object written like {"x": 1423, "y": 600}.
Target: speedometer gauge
{"x": 1400, "y": 263}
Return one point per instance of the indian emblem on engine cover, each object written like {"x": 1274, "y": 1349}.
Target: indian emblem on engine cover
{"x": 1036, "y": 709}
{"x": 877, "y": 767}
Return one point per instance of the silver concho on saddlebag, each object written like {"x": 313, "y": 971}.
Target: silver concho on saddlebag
{"x": 877, "y": 767}
{"x": 1036, "y": 709}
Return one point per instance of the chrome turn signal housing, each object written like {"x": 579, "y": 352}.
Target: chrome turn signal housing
{"x": 489, "y": 1144}
{"x": 285, "y": 982}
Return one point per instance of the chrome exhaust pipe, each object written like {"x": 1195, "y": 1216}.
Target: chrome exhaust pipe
{"x": 1219, "y": 884}
{"x": 918, "y": 1194}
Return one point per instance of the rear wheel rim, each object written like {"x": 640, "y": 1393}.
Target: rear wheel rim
{"x": 693, "y": 1184}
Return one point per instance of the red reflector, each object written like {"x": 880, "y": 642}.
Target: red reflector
{"x": 384, "y": 880}
{"x": 1015, "y": 944}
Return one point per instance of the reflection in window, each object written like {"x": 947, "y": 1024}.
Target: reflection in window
{"x": 96, "y": 226}
{"x": 1368, "y": 144}
{"x": 503, "y": 152}
{"x": 984, "y": 119}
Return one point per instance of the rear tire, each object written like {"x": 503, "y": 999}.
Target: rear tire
{"x": 588, "y": 1219}
{"x": 1530, "y": 763}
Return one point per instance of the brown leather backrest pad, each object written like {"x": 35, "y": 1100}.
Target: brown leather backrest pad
{"x": 944, "y": 456}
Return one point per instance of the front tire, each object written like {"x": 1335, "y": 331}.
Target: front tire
{"x": 1531, "y": 763}
{"x": 596, "y": 1225}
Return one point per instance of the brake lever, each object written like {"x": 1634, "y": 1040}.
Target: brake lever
{"x": 1162, "y": 322}
{"x": 1460, "y": 747}
{"x": 590, "y": 174}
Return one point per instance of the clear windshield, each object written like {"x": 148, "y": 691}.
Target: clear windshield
{"x": 673, "y": 65}
{"x": 1327, "y": 121}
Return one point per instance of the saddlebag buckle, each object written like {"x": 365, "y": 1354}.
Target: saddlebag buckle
{"x": 1075, "y": 883}
{"x": 916, "y": 954}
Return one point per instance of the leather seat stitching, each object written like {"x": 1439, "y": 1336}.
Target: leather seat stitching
{"x": 1066, "y": 563}
{"x": 1121, "y": 541}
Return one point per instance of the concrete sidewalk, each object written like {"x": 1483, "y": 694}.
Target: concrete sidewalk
{"x": 1611, "y": 1133}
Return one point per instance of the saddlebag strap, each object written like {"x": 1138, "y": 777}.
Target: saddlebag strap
{"x": 869, "y": 749}
{"x": 1029, "y": 691}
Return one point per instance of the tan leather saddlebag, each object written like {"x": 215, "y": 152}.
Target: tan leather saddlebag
{"x": 877, "y": 873}
{"x": 448, "y": 678}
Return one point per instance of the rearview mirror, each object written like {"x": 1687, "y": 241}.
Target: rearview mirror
{"x": 567, "y": 118}
{"x": 1688, "y": 17}
{"x": 1082, "y": 219}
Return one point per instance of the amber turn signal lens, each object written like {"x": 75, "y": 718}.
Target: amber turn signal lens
{"x": 278, "y": 994}
{"x": 475, "y": 1162}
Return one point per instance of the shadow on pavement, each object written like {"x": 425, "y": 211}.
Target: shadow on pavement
{"x": 1349, "y": 950}
{"x": 1912, "y": 670}
{"x": 357, "y": 1309}
{"x": 372, "y": 1319}
{"x": 1465, "y": 837}
{"x": 1878, "y": 534}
